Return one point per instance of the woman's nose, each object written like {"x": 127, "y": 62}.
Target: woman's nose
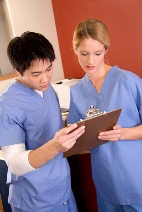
{"x": 91, "y": 59}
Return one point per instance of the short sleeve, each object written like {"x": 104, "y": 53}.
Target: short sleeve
{"x": 11, "y": 128}
{"x": 135, "y": 84}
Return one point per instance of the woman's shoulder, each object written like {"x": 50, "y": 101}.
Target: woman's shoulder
{"x": 80, "y": 83}
{"x": 129, "y": 75}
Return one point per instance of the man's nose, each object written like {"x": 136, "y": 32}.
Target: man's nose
{"x": 44, "y": 78}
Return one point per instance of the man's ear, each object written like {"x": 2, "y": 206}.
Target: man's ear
{"x": 17, "y": 72}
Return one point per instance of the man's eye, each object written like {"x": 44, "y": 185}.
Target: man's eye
{"x": 35, "y": 75}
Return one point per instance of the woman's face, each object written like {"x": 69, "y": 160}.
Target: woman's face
{"x": 91, "y": 55}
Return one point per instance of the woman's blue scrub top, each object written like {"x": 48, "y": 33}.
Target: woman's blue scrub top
{"x": 116, "y": 166}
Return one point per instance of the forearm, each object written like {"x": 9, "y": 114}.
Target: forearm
{"x": 20, "y": 161}
{"x": 133, "y": 133}
{"x": 42, "y": 155}
{"x": 63, "y": 140}
{"x": 118, "y": 133}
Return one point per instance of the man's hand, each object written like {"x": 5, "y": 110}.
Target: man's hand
{"x": 65, "y": 138}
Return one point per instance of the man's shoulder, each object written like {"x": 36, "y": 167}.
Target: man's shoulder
{"x": 12, "y": 95}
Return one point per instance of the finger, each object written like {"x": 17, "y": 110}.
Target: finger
{"x": 116, "y": 127}
{"x": 74, "y": 129}
{"x": 71, "y": 138}
{"x": 67, "y": 129}
{"x": 110, "y": 132}
{"x": 110, "y": 137}
{"x": 70, "y": 128}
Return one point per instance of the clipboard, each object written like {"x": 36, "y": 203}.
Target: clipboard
{"x": 93, "y": 126}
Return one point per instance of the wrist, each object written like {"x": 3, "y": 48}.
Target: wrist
{"x": 124, "y": 134}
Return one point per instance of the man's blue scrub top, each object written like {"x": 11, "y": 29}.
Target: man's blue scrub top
{"x": 28, "y": 118}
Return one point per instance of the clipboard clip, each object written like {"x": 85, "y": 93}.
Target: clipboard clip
{"x": 93, "y": 112}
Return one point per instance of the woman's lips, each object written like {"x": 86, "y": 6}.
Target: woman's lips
{"x": 90, "y": 67}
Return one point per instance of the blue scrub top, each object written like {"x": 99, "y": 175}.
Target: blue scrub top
{"x": 116, "y": 166}
{"x": 28, "y": 118}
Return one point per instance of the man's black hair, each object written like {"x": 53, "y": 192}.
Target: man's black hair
{"x": 30, "y": 46}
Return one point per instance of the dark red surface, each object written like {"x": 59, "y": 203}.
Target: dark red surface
{"x": 124, "y": 20}
{"x": 82, "y": 184}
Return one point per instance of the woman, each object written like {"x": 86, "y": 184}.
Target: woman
{"x": 116, "y": 166}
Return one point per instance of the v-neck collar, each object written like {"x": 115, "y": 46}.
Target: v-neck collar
{"x": 31, "y": 91}
{"x": 104, "y": 85}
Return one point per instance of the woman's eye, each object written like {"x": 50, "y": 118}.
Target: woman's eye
{"x": 84, "y": 54}
{"x": 98, "y": 53}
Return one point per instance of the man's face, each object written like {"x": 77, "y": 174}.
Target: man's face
{"x": 38, "y": 76}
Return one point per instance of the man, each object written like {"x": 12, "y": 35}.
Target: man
{"x": 31, "y": 137}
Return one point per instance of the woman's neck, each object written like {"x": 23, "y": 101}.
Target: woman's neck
{"x": 98, "y": 78}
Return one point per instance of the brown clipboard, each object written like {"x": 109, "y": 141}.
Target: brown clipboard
{"x": 93, "y": 126}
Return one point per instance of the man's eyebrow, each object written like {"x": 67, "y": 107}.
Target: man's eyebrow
{"x": 37, "y": 72}
{"x": 48, "y": 67}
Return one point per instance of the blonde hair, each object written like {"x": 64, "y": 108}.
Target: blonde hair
{"x": 92, "y": 28}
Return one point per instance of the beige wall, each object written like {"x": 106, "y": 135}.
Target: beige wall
{"x": 37, "y": 16}
{"x": 5, "y": 83}
{"x": 5, "y": 66}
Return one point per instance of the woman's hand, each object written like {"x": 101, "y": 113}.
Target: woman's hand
{"x": 111, "y": 135}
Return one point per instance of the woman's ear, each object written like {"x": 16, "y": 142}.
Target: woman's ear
{"x": 107, "y": 49}
{"x": 75, "y": 50}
